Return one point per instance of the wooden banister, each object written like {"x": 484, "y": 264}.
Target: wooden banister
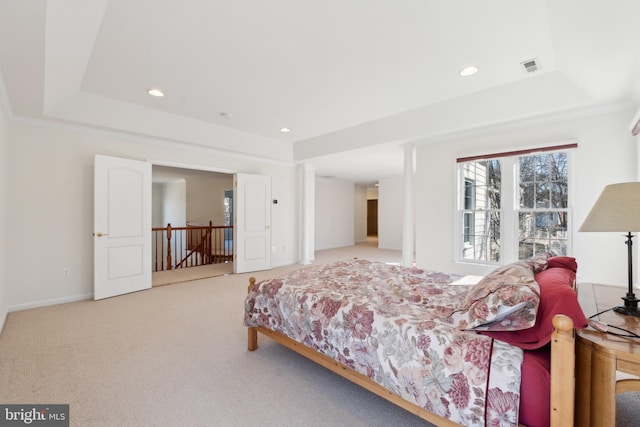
{"x": 192, "y": 245}
{"x": 169, "y": 247}
{"x": 200, "y": 248}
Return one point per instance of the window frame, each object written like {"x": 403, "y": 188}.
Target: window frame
{"x": 461, "y": 211}
{"x": 468, "y": 217}
{"x": 509, "y": 207}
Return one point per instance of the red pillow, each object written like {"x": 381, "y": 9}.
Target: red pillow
{"x": 563, "y": 262}
{"x": 556, "y": 297}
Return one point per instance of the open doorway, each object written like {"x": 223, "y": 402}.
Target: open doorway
{"x": 194, "y": 202}
{"x": 372, "y": 215}
{"x": 372, "y": 218}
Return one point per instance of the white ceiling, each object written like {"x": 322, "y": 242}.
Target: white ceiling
{"x": 353, "y": 80}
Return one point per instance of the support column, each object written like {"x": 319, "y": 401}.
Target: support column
{"x": 308, "y": 197}
{"x": 408, "y": 225}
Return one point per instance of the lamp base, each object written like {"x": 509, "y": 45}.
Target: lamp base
{"x": 629, "y": 311}
{"x": 630, "y": 307}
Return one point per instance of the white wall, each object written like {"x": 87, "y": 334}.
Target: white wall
{"x": 390, "y": 213}
{"x": 606, "y": 154}
{"x": 157, "y": 190}
{"x": 194, "y": 200}
{"x": 334, "y": 213}
{"x": 205, "y": 199}
{"x": 174, "y": 203}
{"x": 341, "y": 208}
{"x": 360, "y": 221}
{"x": 372, "y": 193}
{"x": 285, "y": 217}
{"x": 50, "y": 204}
{"x": 4, "y": 240}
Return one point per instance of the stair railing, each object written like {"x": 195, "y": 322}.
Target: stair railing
{"x": 191, "y": 246}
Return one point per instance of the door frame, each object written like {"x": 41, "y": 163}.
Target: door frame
{"x": 192, "y": 167}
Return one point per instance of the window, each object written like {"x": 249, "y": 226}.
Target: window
{"x": 513, "y": 206}
{"x": 469, "y": 205}
{"x": 543, "y": 204}
{"x": 228, "y": 214}
{"x": 481, "y": 210}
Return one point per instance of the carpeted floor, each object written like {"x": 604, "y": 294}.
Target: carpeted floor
{"x": 176, "y": 356}
{"x": 182, "y": 275}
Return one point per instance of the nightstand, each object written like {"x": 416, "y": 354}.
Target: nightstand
{"x": 599, "y": 356}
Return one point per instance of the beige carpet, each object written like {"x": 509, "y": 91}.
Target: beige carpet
{"x": 176, "y": 356}
{"x": 181, "y": 275}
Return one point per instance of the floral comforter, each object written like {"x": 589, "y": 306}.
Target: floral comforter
{"x": 387, "y": 322}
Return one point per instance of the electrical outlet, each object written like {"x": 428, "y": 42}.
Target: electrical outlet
{"x": 66, "y": 272}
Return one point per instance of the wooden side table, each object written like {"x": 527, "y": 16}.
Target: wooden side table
{"x": 600, "y": 355}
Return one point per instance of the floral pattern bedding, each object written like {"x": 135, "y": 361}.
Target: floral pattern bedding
{"x": 390, "y": 324}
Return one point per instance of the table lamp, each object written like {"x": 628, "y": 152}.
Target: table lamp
{"x": 618, "y": 209}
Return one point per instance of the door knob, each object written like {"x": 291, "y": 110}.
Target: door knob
{"x": 99, "y": 234}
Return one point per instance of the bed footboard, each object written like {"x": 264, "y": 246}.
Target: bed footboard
{"x": 563, "y": 364}
{"x": 252, "y": 333}
{"x": 348, "y": 373}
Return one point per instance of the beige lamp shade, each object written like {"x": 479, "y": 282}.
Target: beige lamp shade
{"x": 617, "y": 209}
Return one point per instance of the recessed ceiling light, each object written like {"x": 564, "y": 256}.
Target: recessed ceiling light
{"x": 155, "y": 92}
{"x": 468, "y": 71}
{"x": 285, "y": 130}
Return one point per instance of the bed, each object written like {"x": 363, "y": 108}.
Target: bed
{"x": 498, "y": 352}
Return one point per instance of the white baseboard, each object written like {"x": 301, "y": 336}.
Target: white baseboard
{"x": 44, "y": 303}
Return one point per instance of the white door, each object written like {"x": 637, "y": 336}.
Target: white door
{"x": 122, "y": 226}
{"x": 252, "y": 229}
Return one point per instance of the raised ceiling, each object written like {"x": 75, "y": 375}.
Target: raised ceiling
{"x": 349, "y": 78}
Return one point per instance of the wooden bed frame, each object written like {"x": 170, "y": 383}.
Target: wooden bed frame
{"x": 562, "y": 371}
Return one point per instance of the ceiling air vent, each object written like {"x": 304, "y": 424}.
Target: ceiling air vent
{"x": 531, "y": 66}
